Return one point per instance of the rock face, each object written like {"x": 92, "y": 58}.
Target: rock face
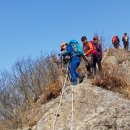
{"x": 121, "y": 60}
{"x": 94, "y": 109}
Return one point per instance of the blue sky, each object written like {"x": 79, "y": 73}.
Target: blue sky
{"x": 28, "y": 27}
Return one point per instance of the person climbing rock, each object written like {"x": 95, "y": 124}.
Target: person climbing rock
{"x": 88, "y": 56}
{"x": 97, "y": 55}
{"x": 73, "y": 52}
{"x": 116, "y": 42}
{"x": 125, "y": 40}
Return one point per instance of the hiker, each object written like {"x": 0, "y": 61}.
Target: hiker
{"x": 73, "y": 56}
{"x": 97, "y": 55}
{"x": 88, "y": 56}
{"x": 116, "y": 42}
{"x": 125, "y": 40}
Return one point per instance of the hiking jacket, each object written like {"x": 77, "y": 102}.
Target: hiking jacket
{"x": 98, "y": 48}
{"x": 68, "y": 51}
{"x": 123, "y": 39}
{"x": 88, "y": 49}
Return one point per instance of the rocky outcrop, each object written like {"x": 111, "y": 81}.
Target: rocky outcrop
{"x": 119, "y": 58}
{"x": 94, "y": 108}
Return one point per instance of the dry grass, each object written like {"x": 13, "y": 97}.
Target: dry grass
{"x": 53, "y": 90}
{"x": 112, "y": 79}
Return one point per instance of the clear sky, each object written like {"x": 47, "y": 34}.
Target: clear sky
{"x": 28, "y": 27}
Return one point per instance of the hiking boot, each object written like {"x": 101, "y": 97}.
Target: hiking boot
{"x": 74, "y": 83}
{"x": 90, "y": 76}
{"x": 81, "y": 78}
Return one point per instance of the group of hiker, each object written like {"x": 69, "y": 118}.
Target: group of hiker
{"x": 91, "y": 52}
{"x": 125, "y": 40}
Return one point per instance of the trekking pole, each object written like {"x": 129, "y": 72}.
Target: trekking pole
{"x": 61, "y": 96}
{"x": 72, "y": 111}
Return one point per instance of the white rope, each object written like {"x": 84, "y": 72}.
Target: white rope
{"x": 72, "y": 111}
{"x": 61, "y": 97}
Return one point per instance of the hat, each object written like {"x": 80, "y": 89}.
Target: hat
{"x": 62, "y": 45}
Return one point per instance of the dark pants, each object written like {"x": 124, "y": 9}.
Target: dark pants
{"x": 97, "y": 61}
{"x": 89, "y": 63}
{"x": 126, "y": 45}
{"x": 116, "y": 45}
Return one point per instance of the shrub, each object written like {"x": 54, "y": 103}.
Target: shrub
{"x": 53, "y": 90}
{"x": 112, "y": 79}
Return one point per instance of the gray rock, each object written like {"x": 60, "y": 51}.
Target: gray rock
{"x": 94, "y": 109}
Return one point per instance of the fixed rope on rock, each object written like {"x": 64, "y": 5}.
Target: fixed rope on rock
{"x": 63, "y": 88}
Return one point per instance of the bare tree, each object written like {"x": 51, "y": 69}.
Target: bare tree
{"x": 23, "y": 86}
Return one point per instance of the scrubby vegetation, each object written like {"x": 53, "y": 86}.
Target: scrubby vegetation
{"x": 112, "y": 79}
{"x": 35, "y": 82}
{"x": 21, "y": 88}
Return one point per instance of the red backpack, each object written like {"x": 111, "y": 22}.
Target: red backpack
{"x": 115, "y": 39}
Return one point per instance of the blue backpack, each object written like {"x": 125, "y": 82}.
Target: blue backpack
{"x": 77, "y": 49}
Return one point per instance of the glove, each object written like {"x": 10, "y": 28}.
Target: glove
{"x": 67, "y": 57}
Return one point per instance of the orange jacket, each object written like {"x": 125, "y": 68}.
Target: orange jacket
{"x": 88, "y": 49}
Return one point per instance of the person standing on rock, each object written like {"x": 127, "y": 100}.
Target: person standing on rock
{"x": 74, "y": 59}
{"x": 97, "y": 55}
{"x": 116, "y": 42}
{"x": 125, "y": 40}
{"x": 88, "y": 56}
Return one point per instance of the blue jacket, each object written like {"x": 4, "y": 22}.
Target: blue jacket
{"x": 68, "y": 51}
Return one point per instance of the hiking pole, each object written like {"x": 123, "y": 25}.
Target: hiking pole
{"x": 72, "y": 111}
{"x": 61, "y": 96}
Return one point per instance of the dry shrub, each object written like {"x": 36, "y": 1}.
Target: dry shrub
{"x": 53, "y": 90}
{"x": 112, "y": 79}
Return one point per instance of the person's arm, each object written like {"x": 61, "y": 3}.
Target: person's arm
{"x": 123, "y": 38}
{"x": 100, "y": 48}
{"x": 112, "y": 41}
{"x": 69, "y": 51}
{"x": 90, "y": 49}
{"x": 119, "y": 40}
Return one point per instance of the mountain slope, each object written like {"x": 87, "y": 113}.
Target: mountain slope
{"x": 94, "y": 109}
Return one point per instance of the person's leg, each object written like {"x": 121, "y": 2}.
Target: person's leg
{"x": 90, "y": 66}
{"x": 99, "y": 65}
{"x": 127, "y": 44}
{"x": 76, "y": 61}
{"x": 78, "y": 75}
{"x": 117, "y": 45}
{"x": 94, "y": 64}
{"x": 74, "y": 64}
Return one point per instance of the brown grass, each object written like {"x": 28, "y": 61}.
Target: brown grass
{"x": 53, "y": 90}
{"x": 112, "y": 79}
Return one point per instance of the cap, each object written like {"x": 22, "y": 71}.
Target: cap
{"x": 62, "y": 45}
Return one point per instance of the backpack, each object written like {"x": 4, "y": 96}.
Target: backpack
{"x": 77, "y": 49}
{"x": 115, "y": 39}
{"x": 94, "y": 48}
